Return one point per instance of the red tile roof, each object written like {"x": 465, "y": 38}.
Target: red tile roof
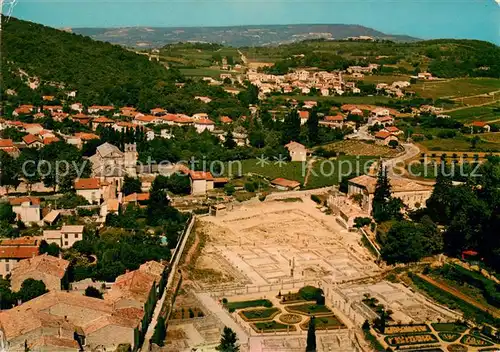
{"x": 21, "y": 200}
{"x": 20, "y": 241}
{"x": 479, "y": 124}
{"x": 50, "y": 140}
{"x": 136, "y": 197}
{"x": 226, "y": 119}
{"x": 283, "y": 182}
{"x": 204, "y": 122}
{"x": 334, "y": 118}
{"x": 146, "y": 118}
{"x": 6, "y": 143}
{"x": 87, "y": 183}
{"x": 18, "y": 252}
{"x": 304, "y": 114}
{"x": 30, "y": 139}
{"x": 84, "y": 136}
{"x": 392, "y": 129}
{"x": 201, "y": 175}
{"x": 382, "y": 135}
{"x": 102, "y": 119}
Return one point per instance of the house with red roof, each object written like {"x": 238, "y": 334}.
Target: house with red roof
{"x": 393, "y": 130}
{"x": 32, "y": 141}
{"x": 90, "y": 189}
{"x": 201, "y": 181}
{"x": 158, "y": 112}
{"x": 384, "y": 138}
{"x": 204, "y": 124}
{"x": 285, "y": 185}
{"x": 7, "y": 145}
{"x": 481, "y": 126}
{"x": 80, "y": 117}
{"x": 226, "y": 120}
{"x": 27, "y": 209}
{"x": 15, "y": 250}
{"x": 335, "y": 121}
{"x": 304, "y": 116}
{"x": 101, "y": 121}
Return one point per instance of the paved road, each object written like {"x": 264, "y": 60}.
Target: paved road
{"x": 178, "y": 253}
{"x": 362, "y": 133}
{"x": 396, "y": 166}
{"x": 217, "y": 309}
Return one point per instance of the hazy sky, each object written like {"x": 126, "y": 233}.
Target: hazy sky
{"x": 478, "y": 19}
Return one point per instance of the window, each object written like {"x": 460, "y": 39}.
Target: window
{"x": 65, "y": 243}
{"x": 7, "y": 267}
{"x": 76, "y": 235}
{"x": 65, "y": 235}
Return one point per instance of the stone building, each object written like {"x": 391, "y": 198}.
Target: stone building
{"x": 413, "y": 194}
{"x": 49, "y": 269}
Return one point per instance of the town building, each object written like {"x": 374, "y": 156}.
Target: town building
{"x": 111, "y": 164}
{"x": 65, "y": 237}
{"x": 90, "y": 189}
{"x": 201, "y": 181}
{"x": 413, "y": 194}
{"x": 285, "y": 185}
{"x": 204, "y": 124}
{"x": 27, "y": 209}
{"x": 49, "y": 269}
{"x": 12, "y": 251}
{"x": 298, "y": 152}
{"x": 384, "y": 137}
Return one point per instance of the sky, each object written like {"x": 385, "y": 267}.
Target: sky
{"x": 471, "y": 19}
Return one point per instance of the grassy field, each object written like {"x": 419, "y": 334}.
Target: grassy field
{"x": 260, "y": 314}
{"x": 249, "y": 304}
{"x": 353, "y": 147}
{"x": 389, "y": 79}
{"x": 371, "y": 100}
{"x": 456, "y": 87}
{"x": 324, "y": 172}
{"x": 460, "y": 144}
{"x": 477, "y": 113}
{"x": 202, "y": 72}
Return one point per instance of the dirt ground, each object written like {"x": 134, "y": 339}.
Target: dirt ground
{"x": 353, "y": 147}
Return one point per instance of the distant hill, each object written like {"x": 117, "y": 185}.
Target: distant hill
{"x": 239, "y": 36}
{"x": 102, "y": 73}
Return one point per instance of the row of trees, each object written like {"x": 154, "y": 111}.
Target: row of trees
{"x": 468, "y": 213}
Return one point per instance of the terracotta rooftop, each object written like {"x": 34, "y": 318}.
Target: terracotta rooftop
{"x": 294, "y": 145}
{"x": 72, "y": 228}
{"x": 334, "y": 118}
{"x": 146, "y": 118}
{"x": 304, "y": 114}
{"x": 87, "y": 183}
{"x": 226, "y": 119}
{"x": 102, "y": 119}
{"x": 201, "y": 175}
{"x": 85, "y": 136}
{"x": 283, "y": 182}
{"x": 21, "y": 200}
{"x": 20, "y": 241}
{"x": 204, "y": 122}
{"x": 44, "y": 263}
{"x": 397, "y": 185}
{"x": 6, "y": 143}
{"x": 18, "y": 252}
{"x": 30, "y": 139}
{"x": 50, "y": 140}
{"x": 392, "y": 129}
{"x": 479, "y": 124}
{"x": 382, "y": 135}
{"x": 136, "y": 197}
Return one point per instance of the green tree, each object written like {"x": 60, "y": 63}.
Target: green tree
{"x": 131, "y": 185}
{"x": 91, "y": 291}
{"x": 311, "y": 336}
{"x": 229, "y": 143}
{"x": 291, "y": 127}
{"x": 160, "y": 332}
{"x": 6, "y": 213}
{"x": 384, "y": 206}
{"x": 228, "y": 341}
{"x": 439, "y": 203}
{"x": 313, "y": 127}
{"x": 51, "y": 249}
{"x": 179, "y": 184}
{"x": 31, "y": 288}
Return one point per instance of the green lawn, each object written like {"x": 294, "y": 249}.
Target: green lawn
{"x": 477, "y": 113}
{"x": 449, "y": 327}
{"x": 308, "y": 308}
{"x": 324, "y": 322}
{"x": 202, "y": 71}
{"x": 270, "y": 326}
{"x": 338, "y": 99}
{"x": 456, "y": 87}
{"x": 260, "y": 314}
{"x": 460, "y": 144}
{"x": 249, "y": 304}
{"x": 389, "y": 79}
{"x": 324, "y": 173}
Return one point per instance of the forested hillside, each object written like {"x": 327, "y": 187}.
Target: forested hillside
{"x": 447, "y": 58}
{"x": 102, "y": 73}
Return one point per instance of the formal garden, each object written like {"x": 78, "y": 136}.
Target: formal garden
{"x": 453, "y": 336}
{"x": 293, "y": 311}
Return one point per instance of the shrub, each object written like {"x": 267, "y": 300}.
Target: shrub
{"x": 250, "y": 187}
{"x": 310, "y": 293}
{"x": 315, "y": 198}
